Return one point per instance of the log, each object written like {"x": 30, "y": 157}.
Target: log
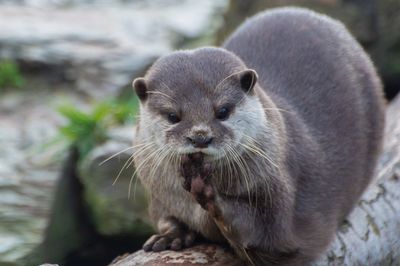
{"x": 199, "y": 255}
{"x": 370, "y": 236}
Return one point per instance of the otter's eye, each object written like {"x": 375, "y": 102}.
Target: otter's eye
{"x": 173, "y": 118}
{"x": 222, "y": 113}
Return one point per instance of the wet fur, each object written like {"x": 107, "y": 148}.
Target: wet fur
{"x": 316, "y": 111}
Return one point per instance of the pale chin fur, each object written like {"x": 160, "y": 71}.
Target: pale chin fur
{"x": 211, "y": 153}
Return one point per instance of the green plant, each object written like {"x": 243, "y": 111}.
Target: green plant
{"x": 87, "y": 129}
{"x": 10, "y": 75}
{"x": 124, "y": 110}
{"x": 84, "y": 130}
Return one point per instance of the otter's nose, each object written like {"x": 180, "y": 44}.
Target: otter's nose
{"x": 200, "y": 141}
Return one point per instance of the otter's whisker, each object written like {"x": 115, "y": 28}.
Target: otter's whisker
{"x": 163, "y": 94}
{"x": 138, "y": 168}
{"x": 229, "y": 76}
{"x": 259, "y": 152}
{"x": 158, "y": 160}
{"x": 243, "y": 169}
{"x": 268, "y": 158}
{"x": 151, "y": 176}
{"x": 122, "y": 151}
{"x": 265, "y": 181}
{"x": 225, "y": 159}
{"x": 279, "y": 109}
{"x": 129, "y": 161}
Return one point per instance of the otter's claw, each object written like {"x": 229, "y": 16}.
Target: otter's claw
{"x": 169, "y": 241}
{"x": 173, "y": 235}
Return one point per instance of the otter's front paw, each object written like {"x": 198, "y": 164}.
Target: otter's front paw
{"x": 203, "y": 192}
{"x": 173, "y": 235}
{"x": 166, "y": 241}
{"x": 191, "y": 165}
{"x": 197, "y": 175}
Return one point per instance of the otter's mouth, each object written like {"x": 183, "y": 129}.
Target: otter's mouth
{"x": 199, "y": 157}
{"x": 210, "y": 153}
{"x": 206, "y": 155}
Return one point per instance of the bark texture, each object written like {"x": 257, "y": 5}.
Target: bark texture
{"x": 370, "y": 236}
{"x": 199, "y": 255}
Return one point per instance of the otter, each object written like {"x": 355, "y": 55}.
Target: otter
{"x": 265, "y": 143}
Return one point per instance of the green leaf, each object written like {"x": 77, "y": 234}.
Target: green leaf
{"x": 85, "y": 130}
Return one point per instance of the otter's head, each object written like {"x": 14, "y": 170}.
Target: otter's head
{"x": 199, "y": 101}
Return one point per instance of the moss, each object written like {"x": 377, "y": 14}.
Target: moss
{"x": 374, "y": 226}
{"x": 10, "y": 75}
{"x": 112, "y": 212}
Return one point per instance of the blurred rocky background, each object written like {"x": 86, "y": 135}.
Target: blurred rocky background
{"x": 67, "y": 111}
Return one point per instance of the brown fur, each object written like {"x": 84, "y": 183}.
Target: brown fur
{"x": 315, "y": 116}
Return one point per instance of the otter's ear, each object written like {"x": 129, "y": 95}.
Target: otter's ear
{"x": 140, "y": 87}
{"x": 248, "y": 79}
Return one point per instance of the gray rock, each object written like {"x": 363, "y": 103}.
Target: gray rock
{"x": 99, "y": 46}
{"x": 114, "y": 195}
{"x": 29, "y": 168}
